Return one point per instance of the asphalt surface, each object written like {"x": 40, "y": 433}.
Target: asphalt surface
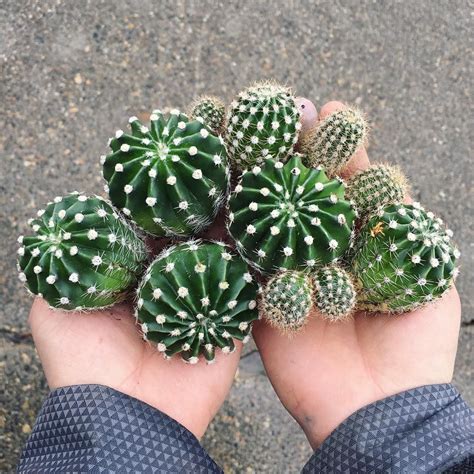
{"x": 73, "y": 72}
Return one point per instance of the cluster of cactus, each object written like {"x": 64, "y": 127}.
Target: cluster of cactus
{"x": 195, "y": 297}
{"x": 289, "y": 296}
{"x": 336, "y": 295}
{"x": 82, "y": 254}
{"x": 263, "y": 123}
{"x": 287, "y": 216}
{"x": 321, "y": 243}
{"x": 376, "y": 187}
{"x": 287, "y": 300}
{"x": 171, "y": 178}
{"x": 210, "y": 111}
{"x": 404, "y": 259}
{"x": 333, "y": 142}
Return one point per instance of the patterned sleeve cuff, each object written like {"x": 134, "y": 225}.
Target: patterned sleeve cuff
{"x": 93, "y": 428}
{"x": 424, "y": 429}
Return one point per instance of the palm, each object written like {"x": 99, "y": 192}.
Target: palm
{"x": 329, "y": 370}
{"x": 105, "y": 347}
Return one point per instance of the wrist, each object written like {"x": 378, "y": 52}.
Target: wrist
{"x": 325, "y": 414}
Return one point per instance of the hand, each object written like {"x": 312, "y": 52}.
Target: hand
{"x": 329, "y": 370}
{"x": 105, "y": 347}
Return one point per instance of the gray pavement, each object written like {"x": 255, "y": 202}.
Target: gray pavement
{"x": 73, "y": 72}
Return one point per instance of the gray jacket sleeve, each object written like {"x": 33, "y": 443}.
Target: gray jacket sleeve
{"x": 426, "y": 429}
{"x": 92, "y": 428}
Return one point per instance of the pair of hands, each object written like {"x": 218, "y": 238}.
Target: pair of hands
{"x": 321, "y": 375}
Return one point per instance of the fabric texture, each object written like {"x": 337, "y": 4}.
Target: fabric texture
{"x": 95, "y": 429}
{"x": 426, "y": 429}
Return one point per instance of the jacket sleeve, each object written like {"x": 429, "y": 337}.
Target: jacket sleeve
{"x": 93, "y": 428}
{"x": 426, "y": 429}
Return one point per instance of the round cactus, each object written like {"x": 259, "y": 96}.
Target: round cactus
{"x": 335, "y": 140}
{"x": 289, "y": 216}
{"x": 171, "y": 178}
{"x": 82, "y": 254}
{"x": 335, "y": 295}
{"x": 211, "y": 110}
{"x": 287, "y": 300}
{"x": 196, "y": 297}
{"x": 376, "y": 187}
{"x": 404, "y": 258}
{"x": 262, "y": 123}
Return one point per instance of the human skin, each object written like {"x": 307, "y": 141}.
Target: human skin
{"x": 321, "y": 375}
{"x": 328, "y": 370}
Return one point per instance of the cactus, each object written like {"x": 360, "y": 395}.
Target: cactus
{"x": 82, "y": 254}
{"x": 211, "y": 110}
{"x": 196, "y": 297}
{"x": 334, "y": 141}
{"x": 335, "y": 295}
{"x": 262, "y": 123}
{"x": 289, "y": 216}
{"x": 171, "y": 178}
{"x": 376, "y": 187}
{"x": 287, "y": 300}
{"x": 404, "y": 259}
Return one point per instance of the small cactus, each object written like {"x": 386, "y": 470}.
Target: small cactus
{"x": 211, "y": 110}
{"x": 334, "y": 141}
{"x": 197, "y": 297}
{"x": 262, "y": 123}
{"x": 404, "y": 259}
{"x": 335, "y": 295}
{"x": 286, "y": 300}
{"x": 82, "y": 254}
{"x": 171, "y": 178}
{"x": 289, "y": 216}
{"x": 376, "y": 187}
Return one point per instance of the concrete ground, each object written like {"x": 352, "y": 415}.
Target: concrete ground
{"x": 73, "y": 72}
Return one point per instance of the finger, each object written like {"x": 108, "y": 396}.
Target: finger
{"x": 309, "y": 114}
{"x": 359, "y": 161}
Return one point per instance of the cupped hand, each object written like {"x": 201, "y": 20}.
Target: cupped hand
{"x": 328, "y": 370}
{"x": 105, "y": 347}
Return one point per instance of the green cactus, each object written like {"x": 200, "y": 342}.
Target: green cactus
{"x": 210, "y": 111}
{"x": 171, "y": 178}
{"x": 262, "y": 123}
{"x": 82, "y": 254}
{"x": 376, "y": 187}
{"x": 335, "y": 295}
{"x": 289, "y": 216}
{"x": 197, "y": 297}
{"x": 404, "y": 259}
{"x": 334, "y": 141}
{"x": 286, "y": 300}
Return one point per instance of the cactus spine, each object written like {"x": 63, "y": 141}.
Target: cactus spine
{"x": 404, "y": 259}
{"x": 287, "y": 300}
{"x": 211, "y": 111}
{"x": 335, "y": 295}
{"x": 82, "y": 254}
{"x": 376, "y": 187}
{"x": 289, "y": 216}
{"x": 262, "y": 123}
{"x": 197, "y": 297}
{"x": 171, "y": 178}
{"x": 334, "y": 141}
